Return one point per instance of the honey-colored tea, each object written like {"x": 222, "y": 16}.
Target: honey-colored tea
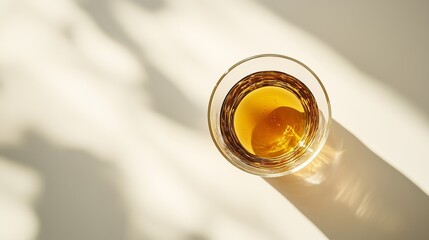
{"x": 267, "y": 115}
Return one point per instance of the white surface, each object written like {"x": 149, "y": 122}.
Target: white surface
{"x": 103, "y": 120}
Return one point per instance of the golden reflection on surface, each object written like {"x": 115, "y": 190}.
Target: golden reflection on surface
{"x": 317, "y": 171}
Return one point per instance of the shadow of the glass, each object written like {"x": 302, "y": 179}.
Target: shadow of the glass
{"x": 349, "y": 192}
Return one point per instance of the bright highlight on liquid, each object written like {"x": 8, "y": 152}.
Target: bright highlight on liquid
{"x": 269, "y": 121}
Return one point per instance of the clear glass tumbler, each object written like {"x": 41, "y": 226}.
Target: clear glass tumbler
{"x": 222, "y": 122}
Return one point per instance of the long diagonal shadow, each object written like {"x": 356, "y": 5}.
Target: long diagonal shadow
{"x": 349, "y": 192}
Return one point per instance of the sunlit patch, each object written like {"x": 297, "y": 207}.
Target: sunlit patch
{"x": 19, "y": 188}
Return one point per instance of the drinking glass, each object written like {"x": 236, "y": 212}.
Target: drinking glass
{"x": 286, "y": 163}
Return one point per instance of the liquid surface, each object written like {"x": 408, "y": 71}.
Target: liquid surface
{"x": 269, "y": 121}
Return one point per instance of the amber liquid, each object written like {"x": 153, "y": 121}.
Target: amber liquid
{"x": 269, "y": 117}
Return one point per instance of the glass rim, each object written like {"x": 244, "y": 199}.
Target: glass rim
{"x": 249, "y": 168}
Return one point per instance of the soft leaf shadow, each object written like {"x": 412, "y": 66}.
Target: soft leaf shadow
{"x": 165, "y": 98}
{"x": 80, "y": 198}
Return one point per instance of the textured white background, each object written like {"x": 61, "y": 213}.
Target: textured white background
{"x": 103, "y": 110}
